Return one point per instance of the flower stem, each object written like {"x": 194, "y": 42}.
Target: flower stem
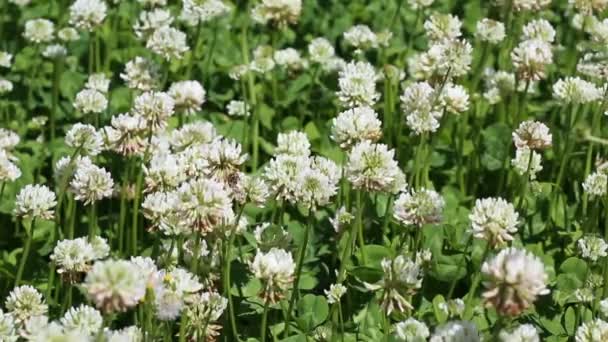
{"x": 360, "y": 209}
{"x": 92, "y": 220}
{"x": 26, "y": 251}
{"x": 302, "y": 254}
{"x": 264, "y": 321}
{"x": 468, "y": 311}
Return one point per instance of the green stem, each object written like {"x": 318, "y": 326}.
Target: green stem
{"x": 26, "y": 251}
{"x": 264, "y": 321}
{"x": 193, "y": 57}
{"x": 92, "y": 220}
{"x": 55, "y": 96}
{"x": 459, "y": 266}
{"x": 301, "y": 257}
{"x": 361, "y": 208}
{"x": 468, "y": 311}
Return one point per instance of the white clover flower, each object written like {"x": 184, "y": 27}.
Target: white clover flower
{"x": 153, "y": 3}
{"x": 372, "y": 167}
{"x": 202, "y": 312}
{"x": 237, "y": 108}
{"x": 456, "y": 331}
{"x": 594, "y": 331}
{"x": 68, "y": 34}
{"x": 24, "y": 302}
{"x": 341, "y": 219}
{"x": 90, "y": 101}
{"x": 539, "y": 29}
{"x": 595, "y": 184}
{"x": 168, "y": 42}
{"x": 423, "y": 122}
{"x": 576, "y": 90}
{"x": 157, "y": 206}
{"x": 402, "y": 277}
{"x": 587, "y": 7}
{"x": 604, "y": 307}
{"x": 361, "y": 37}
{"x": 263, "y": 59}
{"x": 355, "y": 125}
{"x": 155, "y": 108}
{"x": 454, "y": 98}
{"x": 91, "y": 183}
{"x": 5, "y": 59}
{"x": 128, "y": 334}
{"x": 39, "y": 30}
{"x": 204, "y": 204}
{"x": 357, "y": 84}
{"x": 193, "y": 134}
{"x": 188, "y": 96}
{"x": 178, "y": 285}
{"x": 85, "y": 138}
{"x": 314, "y": 188}
{"x": 35, "y": 201}
{"x": 99, "y": 82}
{"x": 195, "y": 11}
{"x": 293, "y": 143}
{"x": 289, "y": 58}
{"x": 494, "y": 220}
{"x": 82, "y": 318}
{"x": 73, "y": 257}
{"x": 141, "y": 74}
{"x": 320, "y": 50}
{"x": 442, "y": 27}
{"x": 275, "y": 270}
{"x": 5, "y": 86}
{"x": 8, "y": 330}
{"x": 530, "y": 5}
{"x": 411, "y": 330}
{"x": 150, "y": 21}
{"x": 417, "y": 97}
{"x": 9, "y": 172}
{"x": 222, "y": 160}
{"x": 163, "y": 173}
{"x": 419, "y": 207}
{"x": 278, "y": 12}
{"x": 54, "y": 51}
{"x": 88, "y": 14}
{"x": 533, "y": 135}
{"x": 8, "y": 140}
{"x": 115, "y": 285}
{"x": 593, "y": 248}
{"x": 524, "y": 163}
{"x": 101, "y": 249}
{"x": 21, "y": 3}
{"x": 531, "y": 58}
{"x": 523, "y": 333}
{"x": 490, "y": 31}
{"x": 451, "y": 58}
{"x": 515, "y": 278}
{"x": 281, "y": 174}
{"x": 335, "y": 292}
{"x": 251, "y": 189}
{"x": 125, "y": 135}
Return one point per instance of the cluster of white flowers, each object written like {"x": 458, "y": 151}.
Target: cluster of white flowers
{"x": 75, "y": 257}
{"x": 168, "y": 42}
{"x": 89, "y": 101}
{"x": 411, "y": 330}
{"x": 593, "y": 248}
{"x": 355, "y": 125}
{"x": 35, "y": 201}
{"x": 576, "y": 90}
{"x": 275, "y": 269}
{"x": 534, "y": 53}
{"x": 195, "y": 12}
{"x": 595, "y": 330}
{"x": 357, "y": 83}
{"x": 490, "y": 31}
{"x": 402, "y": 277}
{"x": 419, "y": 207}
{"x": 362, "y": 38}
{"x": 87, "y": 14}
{"x": 188, "y": 96}
{"x": 456, "y": 331}
{"x": 515, "y": 278}
{"x": 277, "y": 12}
{"x": 494, "y": 220}
{"x": 372, "y": 167}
